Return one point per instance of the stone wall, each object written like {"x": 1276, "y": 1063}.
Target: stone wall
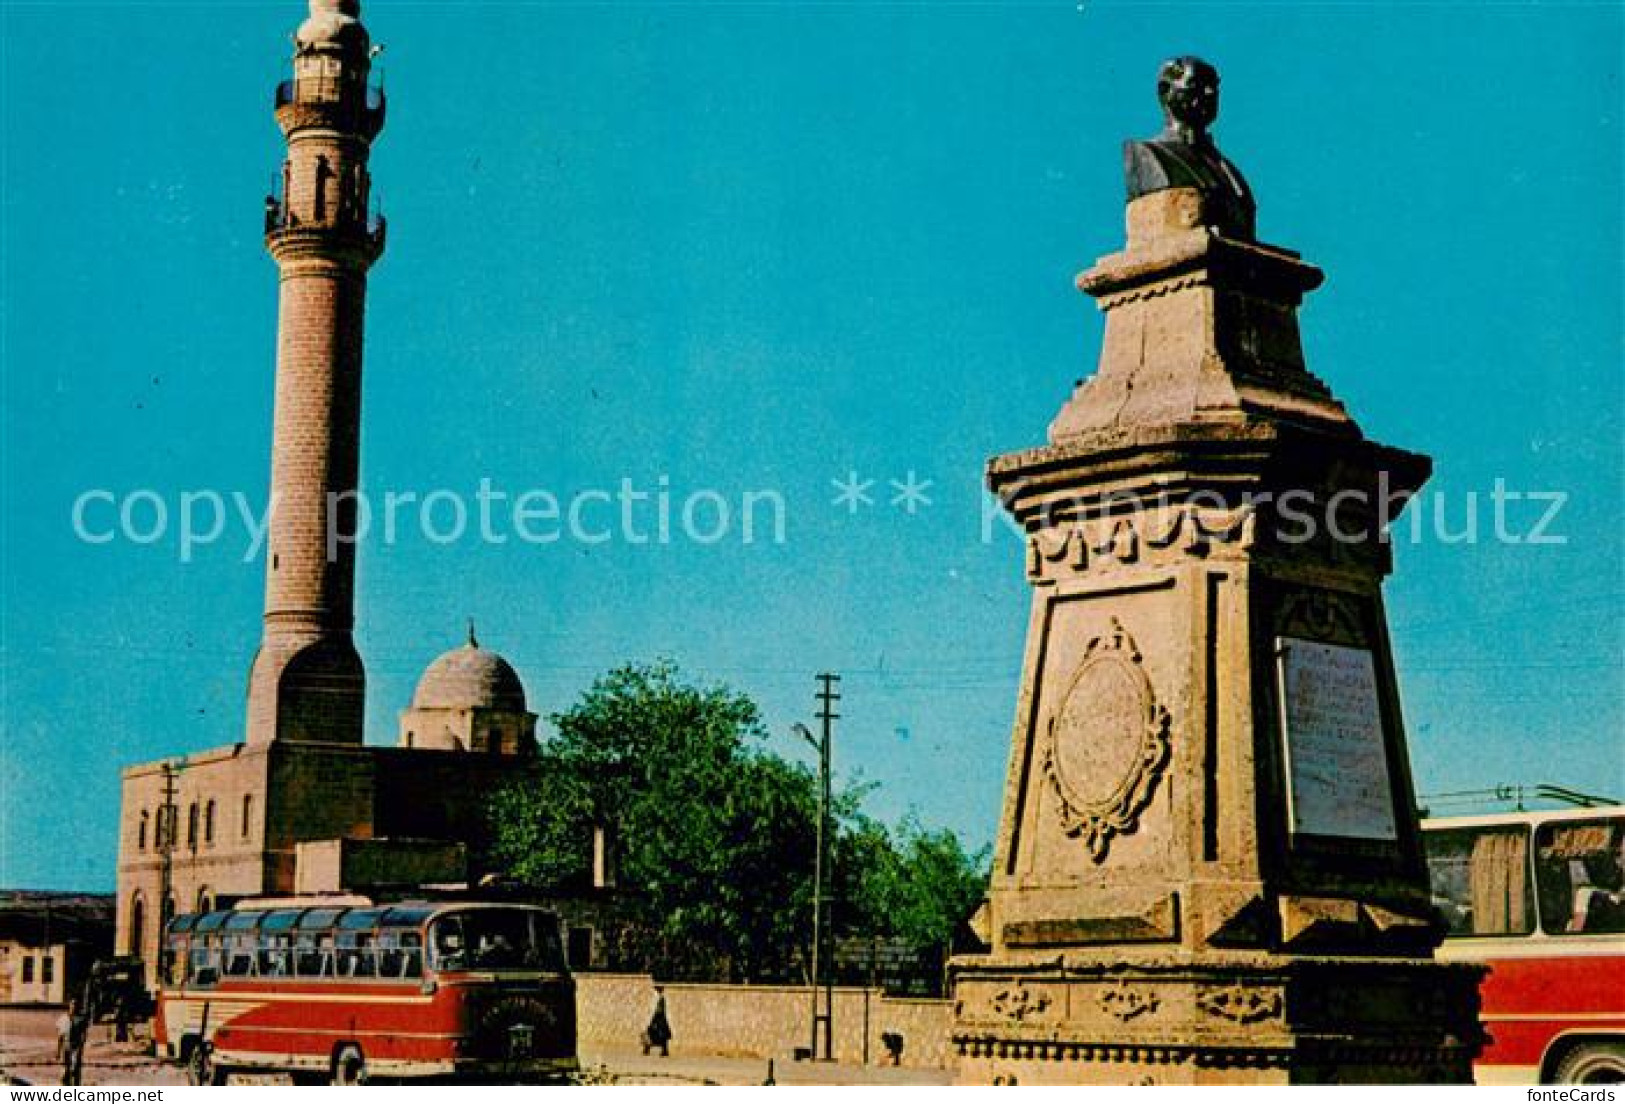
{"x": 344, "y": 865}
{"x": 759, "y": 1021}
{"x": 225, "y": 857}
{"x": 317, "y": 791}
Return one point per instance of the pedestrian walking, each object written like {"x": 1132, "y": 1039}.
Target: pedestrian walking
{"x": 658, "y": 1033}
{"x": 73, "y": 1056}
{"x": 64, "y": 1024}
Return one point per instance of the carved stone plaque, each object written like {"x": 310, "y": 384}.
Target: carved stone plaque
{"x": 1108, "y": 743}
{"x": 1338, "y": 782}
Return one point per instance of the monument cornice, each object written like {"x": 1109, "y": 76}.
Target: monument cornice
{"x": 1199, "y": 256}
{"x": 1098, "y": 964}
{"x": 1108, "y": 471}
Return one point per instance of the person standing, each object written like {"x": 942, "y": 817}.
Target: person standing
{"x": 658, "y": 1033}
{"x": 73, "y": 1056}
{"x": 64, "y": 1024}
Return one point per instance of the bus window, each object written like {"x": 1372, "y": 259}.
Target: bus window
{"x": 1480, "y": 879}
{"x": 210, "y": 922}
{"x": 389, "y": 955}
{"x": 240, "y": 950}
{"x": 205, "y": 964}
{"x": 549, "y": 943}
{"x": 411, "y": 955}
{"x": 449, "y": 948}
{"x": 497, "y": 939}
{"x": 1578, "y": 871}
{"x": 357, "y": 955}
{"x": 275, "y": 951}
{"x": 313, "y": 954}
{"x": 360, "y": 919}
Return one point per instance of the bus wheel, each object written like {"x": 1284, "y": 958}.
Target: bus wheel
{"x": 1593, "y": 1064}
{"x": 200, "y": 1067}
{"x": 349, "y": 1066}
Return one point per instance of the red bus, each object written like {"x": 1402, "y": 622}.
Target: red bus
{"x": 1539, "y": 898}
{"x": 358, "y": 991}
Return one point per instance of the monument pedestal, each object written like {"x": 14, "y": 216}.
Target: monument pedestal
{"x": 1083, "y": 1019}
{"x": 1208, "y": 867}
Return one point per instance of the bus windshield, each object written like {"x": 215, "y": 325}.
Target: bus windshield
{"x": 496, "y": 939}
{"x": 1580, "y": 875}
{"x": 1563, "y": 878}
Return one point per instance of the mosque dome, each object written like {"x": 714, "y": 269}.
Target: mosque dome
{"x": 470, "y": 677}
{"x": 333, "y": 25}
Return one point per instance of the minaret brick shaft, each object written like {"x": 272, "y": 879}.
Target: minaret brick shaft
{"x": 308, "y": 682}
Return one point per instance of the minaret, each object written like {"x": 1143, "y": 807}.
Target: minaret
{"x": 308, "y": 682}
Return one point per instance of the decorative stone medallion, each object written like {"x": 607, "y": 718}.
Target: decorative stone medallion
{"x": 1126, "y": 1001}
{"x": 1240, "y": 1003}
{"x": 1020, "y": 1003}
{"x": 1108, "y": 743}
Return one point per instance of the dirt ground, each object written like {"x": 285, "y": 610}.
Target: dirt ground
{"x": 28, "y": 1055}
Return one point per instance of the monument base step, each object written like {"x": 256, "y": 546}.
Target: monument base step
{"x": 1265, "y": 1020}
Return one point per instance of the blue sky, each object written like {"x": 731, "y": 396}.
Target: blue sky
{"x": 757, "y": 247}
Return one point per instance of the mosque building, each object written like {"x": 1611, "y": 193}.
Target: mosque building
{"x": 302, "y": 805}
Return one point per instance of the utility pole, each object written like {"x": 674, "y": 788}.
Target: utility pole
{"x": 168, "y": 822}
{"x": 827, "y": 697}
{"x": 823, "y": 965}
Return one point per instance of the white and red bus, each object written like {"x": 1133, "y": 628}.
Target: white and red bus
{"x": 358, "y": 991}
{"x": 1540, "y": 899}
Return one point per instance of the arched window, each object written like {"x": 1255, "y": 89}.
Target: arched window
{"x": 191, "y": 826}
{"x": 205, "y": 899}
{"x": 141, "y": 831}
{"x": 138, "y": 923}
{"x": 208, "y": 822}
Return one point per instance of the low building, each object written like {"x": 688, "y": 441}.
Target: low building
{"x": 49, "y": 941}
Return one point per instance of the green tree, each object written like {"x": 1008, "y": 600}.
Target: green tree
{"x": 916, "y": 884}
{"x": 714, "y": 835}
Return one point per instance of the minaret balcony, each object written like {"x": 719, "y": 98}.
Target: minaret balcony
{"x": 285, "y": 233}
{"x": 331, "y": 103}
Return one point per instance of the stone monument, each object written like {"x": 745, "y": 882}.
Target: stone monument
{"x": 1208, "y": 868}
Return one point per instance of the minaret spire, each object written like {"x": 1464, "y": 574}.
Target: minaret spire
{"x": 308, "y": 682}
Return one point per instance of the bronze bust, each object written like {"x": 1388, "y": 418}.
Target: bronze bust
{"x": 1184, "y": 156}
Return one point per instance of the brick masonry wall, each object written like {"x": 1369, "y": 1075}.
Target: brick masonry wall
{"x": 759, "y": 1021}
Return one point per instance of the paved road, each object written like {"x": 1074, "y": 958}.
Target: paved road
{"x": 632, "y": 1068}
{"x": 28, "y": 1052}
